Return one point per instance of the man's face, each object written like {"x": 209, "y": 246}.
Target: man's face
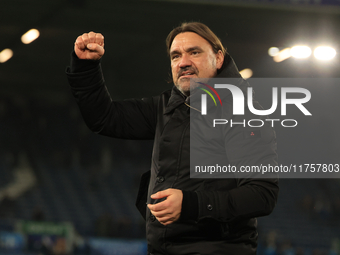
{"x": 192, "y": 57}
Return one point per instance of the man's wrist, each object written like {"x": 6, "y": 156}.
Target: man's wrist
{"x": 81, "y": 65}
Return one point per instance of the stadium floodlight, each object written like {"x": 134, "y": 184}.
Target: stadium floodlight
{"x": 30, "y": 36}
{"x": 300, "y": 51}
{"x": 324, "y": 53}
{"x": 273, "y": 51}
{"x": 5, "y": 55}
{"x": 282, "y": 55}
{"x": 246, "y": 73}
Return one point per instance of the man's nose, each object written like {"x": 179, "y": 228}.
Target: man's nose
{"x": 185, "y": 61}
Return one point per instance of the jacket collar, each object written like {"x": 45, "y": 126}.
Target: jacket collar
{"x": 228, "y": 70}
{"x": 175, "y": 100}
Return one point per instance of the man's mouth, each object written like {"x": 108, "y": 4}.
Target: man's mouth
{"x": 186, "y": 74}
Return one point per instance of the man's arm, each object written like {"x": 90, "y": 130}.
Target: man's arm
{"x": 130, "y": 119}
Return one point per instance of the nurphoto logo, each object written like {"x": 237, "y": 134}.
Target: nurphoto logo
{"x": 239, "y": 104}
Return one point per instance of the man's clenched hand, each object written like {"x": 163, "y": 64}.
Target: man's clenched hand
{"x": 169, "y": 210}
{"x": 89, "y": 46}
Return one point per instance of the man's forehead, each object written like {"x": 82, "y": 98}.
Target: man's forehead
{"x": 188, "y": 40}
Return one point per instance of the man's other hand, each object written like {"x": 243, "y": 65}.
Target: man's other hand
{"x": 89, "y": 46}
{"x": 169, "y": 210}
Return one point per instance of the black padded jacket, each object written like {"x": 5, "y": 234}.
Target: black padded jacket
{"x": 225, "y": 221}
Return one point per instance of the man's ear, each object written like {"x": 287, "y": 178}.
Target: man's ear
{"x": 219, "y": 59}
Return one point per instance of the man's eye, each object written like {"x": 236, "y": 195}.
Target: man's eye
{"x": 175, "y": 56}
{"x": 194, "y": 52}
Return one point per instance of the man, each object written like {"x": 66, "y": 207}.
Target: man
{"x": 183, "y": 215}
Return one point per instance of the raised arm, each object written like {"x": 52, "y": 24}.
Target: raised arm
{"x": 130, "y": 119}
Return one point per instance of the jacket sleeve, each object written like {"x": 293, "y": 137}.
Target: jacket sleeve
{"x": 255, "y": 194}
{"x": 129, "y": 119}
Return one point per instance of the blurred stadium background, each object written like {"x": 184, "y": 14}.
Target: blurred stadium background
{"x": 65, "y": 190}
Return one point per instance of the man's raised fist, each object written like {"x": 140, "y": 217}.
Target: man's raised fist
{"x": 89, "y": 46}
